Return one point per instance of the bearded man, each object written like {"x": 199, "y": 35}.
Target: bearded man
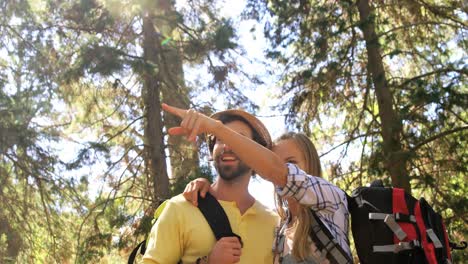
{"x": 182, "y": 234}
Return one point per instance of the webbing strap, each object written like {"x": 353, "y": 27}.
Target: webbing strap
{"x": 327, "y": 243}
{"x": 359, "y": 201}
{"x": 132, "y": 256}
{"x": 393, "y": 225}
{"x": 215, "y": 216}
{"x": 398, "y": 217}
{"x": 395, "y": 248}
{"x": 338, "y": 256}
{"x": 435, "y": 240}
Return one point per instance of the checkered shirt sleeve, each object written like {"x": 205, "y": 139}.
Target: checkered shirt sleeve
{"x": 326, "y": 199}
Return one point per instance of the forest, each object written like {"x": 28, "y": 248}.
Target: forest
{"x": 379, "y": 86}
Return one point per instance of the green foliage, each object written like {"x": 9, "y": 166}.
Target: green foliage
{"x": 93, "y": 248}
{"x": 329, "y": 91}
{"x": 223, "y": 36}
{"x": 74, "y": 155}
{"x": 100, "y": 59}
{"x": 179, "y": 184}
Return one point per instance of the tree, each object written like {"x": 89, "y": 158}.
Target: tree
{"x": 29, "y": 167}
{"x": 151, "y": 41}
{"x": 381, "y": 82}
{"x": 94, "y": 74}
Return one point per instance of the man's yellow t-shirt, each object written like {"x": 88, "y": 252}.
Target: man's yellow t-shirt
{"x": 182, "y": 233}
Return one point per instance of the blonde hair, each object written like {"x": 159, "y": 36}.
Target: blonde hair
{"x": 301, "y": 242}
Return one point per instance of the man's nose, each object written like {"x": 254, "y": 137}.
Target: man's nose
{"x": 226, "y": 147}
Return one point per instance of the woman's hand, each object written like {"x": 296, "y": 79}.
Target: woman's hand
{"x": 199, "y": 185}
{"x": 193, "y": 123}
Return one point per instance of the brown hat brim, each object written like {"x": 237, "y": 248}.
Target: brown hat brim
{"x": 256, "y": 124}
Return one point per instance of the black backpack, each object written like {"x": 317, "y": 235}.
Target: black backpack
{"x": 214, "y": 215}
{"x": 390, "y": 226}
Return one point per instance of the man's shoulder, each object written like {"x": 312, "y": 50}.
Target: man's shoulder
{"x": 265, "y": 211}
{"x": 180, "y": 201}
{"x": 178, "y": 205}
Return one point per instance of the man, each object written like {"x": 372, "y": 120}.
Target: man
{"x": 182, "y": 233}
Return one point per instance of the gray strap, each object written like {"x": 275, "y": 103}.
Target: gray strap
{"x": 435, "y": 240}
{"x": 360, "y": 202}
{"x": 398, "y": 217}
{"x": 395, "y": 248}
{"x": 384, "y": 248}
{"x": 330, "y": 246}
{"x": 395, "y": 227}
{"x": 381, "y": 216}
{"x": 339, "y": 257}
{"x": 279, "y": 247}
{"x": 377, "y": 216}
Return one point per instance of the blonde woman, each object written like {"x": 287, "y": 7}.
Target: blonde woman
{"x": 299, "y": 195}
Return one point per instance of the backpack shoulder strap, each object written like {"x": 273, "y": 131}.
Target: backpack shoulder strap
{"x": 325, "y": 241}
{"x": 215, "y": 216}
{"x": 141, "y": 247}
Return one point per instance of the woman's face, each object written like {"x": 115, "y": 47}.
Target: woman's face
{"x": 289, "y": 152}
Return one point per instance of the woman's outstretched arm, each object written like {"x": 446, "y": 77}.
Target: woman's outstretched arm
{"x": 262, "y": 160}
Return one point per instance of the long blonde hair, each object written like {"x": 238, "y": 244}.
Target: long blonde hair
{"x": 301, "y": 248}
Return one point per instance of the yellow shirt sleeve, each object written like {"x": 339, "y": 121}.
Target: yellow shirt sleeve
{"x": 164, "y": 241}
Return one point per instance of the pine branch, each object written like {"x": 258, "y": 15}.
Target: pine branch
{"x": 346, "y": 142}
{"x": 440, "y": 135}
{"x": 439, "y": 71}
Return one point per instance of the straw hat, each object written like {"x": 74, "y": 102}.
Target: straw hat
{"x": 256, "y": 124}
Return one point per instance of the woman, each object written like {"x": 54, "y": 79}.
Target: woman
{"x": 289, "y": 167}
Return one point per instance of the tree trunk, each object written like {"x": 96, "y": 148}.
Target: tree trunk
{"x": 395, "y": 157}
{"x": 155, "y": 159}
{"x": 183, "y": 154}
{"x": 13, "y": 239}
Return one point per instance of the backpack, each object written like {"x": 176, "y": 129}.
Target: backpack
{"x": 391, "y": 226}
{"x": 213, "y": 213}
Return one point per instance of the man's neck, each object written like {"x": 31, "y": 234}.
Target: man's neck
{"x": 234, "y": 191}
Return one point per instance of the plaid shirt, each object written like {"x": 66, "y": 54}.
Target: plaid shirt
{"x": 327, "y": 200}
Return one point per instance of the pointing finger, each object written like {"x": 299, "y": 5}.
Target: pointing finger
{"x": 174, "y": 110}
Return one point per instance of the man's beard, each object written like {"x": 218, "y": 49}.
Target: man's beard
{"x": 230, "y": 172}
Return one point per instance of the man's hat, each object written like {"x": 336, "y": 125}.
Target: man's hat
{"x": 256, "y": 124}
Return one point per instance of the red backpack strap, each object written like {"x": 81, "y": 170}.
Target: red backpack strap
{"x": 400, "y": 206}
{"x": 429, "y": 249}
